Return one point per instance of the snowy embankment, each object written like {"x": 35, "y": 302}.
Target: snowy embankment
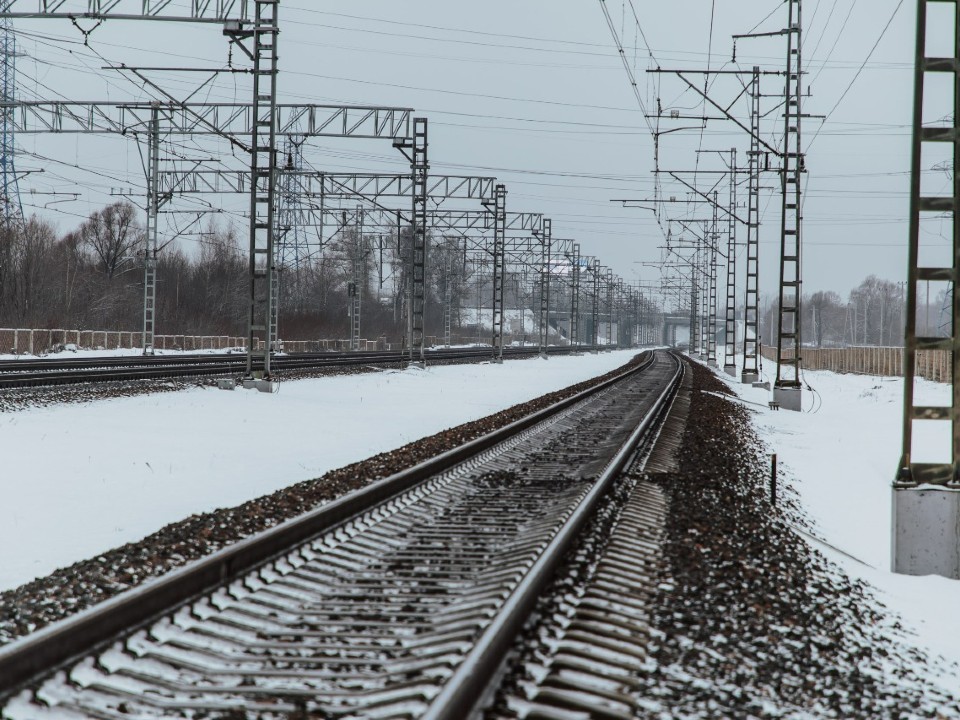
{"x": 81, "y": 479}
{"x": 841, "y": 455}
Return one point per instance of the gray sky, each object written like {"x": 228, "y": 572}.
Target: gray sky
{"x": 533, "y": 92}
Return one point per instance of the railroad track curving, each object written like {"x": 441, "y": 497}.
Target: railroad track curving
{"x": 46, "y": 372}
{"x": 400, "y": 600}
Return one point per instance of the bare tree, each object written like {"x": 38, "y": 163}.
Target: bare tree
{"x": 113, "y": 235}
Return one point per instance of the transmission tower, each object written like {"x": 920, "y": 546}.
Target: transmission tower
{"x": 293, "y": 250}
{"x": 12, "y": 210}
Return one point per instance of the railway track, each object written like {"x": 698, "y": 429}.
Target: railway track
{"x": 43, "y": 372}
{"x": 400, "y": 600}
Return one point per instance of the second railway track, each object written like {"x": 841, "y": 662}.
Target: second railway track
{"x": 72, "y": 371}
{"x": 398, "y": 601}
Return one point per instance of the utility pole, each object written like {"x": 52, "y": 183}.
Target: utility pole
{"x": 750, "y": 373}
{"x": 358, "y": 283}
{"x": 787, "y": 388}
{"x": 263, "y": 179}
{"x": 925, "y": 498}
{"x": 499, "y": 268}
{"x": 150, "y": 251}
{"x": 730, "y": 320}
{"x": 546, "y": 240}
{"x": 714, "y": 235}
{"x": 11, "y": 212}
{"x": 575, "y": 297}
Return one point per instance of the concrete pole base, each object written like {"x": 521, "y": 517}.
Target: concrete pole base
{"x": 749, "y": 378}
{"x": 926, "y": 531}
{"x": 712, "y": 363}
{"x": 789, "y": 398}
{"x": 730, "y": 370}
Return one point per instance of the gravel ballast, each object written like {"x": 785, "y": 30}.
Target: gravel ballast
{"x": 752, "y": 621}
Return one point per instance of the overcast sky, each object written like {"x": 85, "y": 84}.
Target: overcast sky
{"x": 534, "y": 93}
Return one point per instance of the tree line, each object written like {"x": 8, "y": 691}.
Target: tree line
{"x": 92, "y": 278}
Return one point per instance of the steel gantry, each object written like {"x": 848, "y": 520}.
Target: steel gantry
{"x": 255, "y": 20}
{"x": 926, "y": 501}
{"x": 377, "y": 191}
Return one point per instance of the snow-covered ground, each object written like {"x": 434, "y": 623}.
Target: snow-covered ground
{"x": 841, "y": 457}
{"x": 80, "y": 479}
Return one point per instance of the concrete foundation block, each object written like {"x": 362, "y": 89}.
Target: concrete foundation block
{"x": 761, "y": 385}
{"x": 227, "y": 384}
{"x": 266, "y": 386}
{"x": 749, "y": 378}
{"x": 730, "y": 370}
{"x": 712, "y": 363}
{"x": 788, "y": 398}
{"x": 926, "y": 531}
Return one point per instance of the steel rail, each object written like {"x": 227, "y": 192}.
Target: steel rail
{"x": 469, "y": 683}
{"x": 35, "y": 656}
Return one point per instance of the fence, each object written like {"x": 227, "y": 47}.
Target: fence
{"x": 26, "y": 341}
{"x": 931, "y": 364}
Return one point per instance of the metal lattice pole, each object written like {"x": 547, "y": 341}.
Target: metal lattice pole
{"x": 787, "y": 386}
{"x": 545, "y": 272}
{"x": 595, "y": 310}
{"x": 263, "y": 173}
{"x": 11, "y": 208}
{"x": 925, "y": 499}
{"x": 418, "y": 245}
{"x": 730, "y": 322}
{"x": 150, "y": 251}
{"x": 499, "y": 267}
{"x": 359, "y": 281}
{"x": 751, "y": 305}
{"x": 712, "y": 304}
{"x": 575, "y": 297}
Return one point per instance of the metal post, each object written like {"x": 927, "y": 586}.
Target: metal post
{"x": 546, "y": 240}
{"x": 263, "y": 173}
{"x": 595, "y": 313}
{"x": 575, "y": 297}
{"x": 11, "y": 212}
{"x": 499, "y": 268}
{"x": 610, "y": 302}
{"x": 150, "y": 251}
{"x": 787, "y": 389}
{"x": 925, "y": 498}
{"x": 359, "y": 280}
{"x": 751, "y": 305}
{"x": 447, "y": 308}
{"x": 418, "y": 246}
{"x": 730, "y": 324}
{"x": 712, "y": 306}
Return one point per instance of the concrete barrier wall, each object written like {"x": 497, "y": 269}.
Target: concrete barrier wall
{"x": 888, "y": 361}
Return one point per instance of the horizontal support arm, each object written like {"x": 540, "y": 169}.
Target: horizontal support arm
{"x": 208, "y": 119}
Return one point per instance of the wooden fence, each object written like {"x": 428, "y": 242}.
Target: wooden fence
{"x": 888, "y": 361}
